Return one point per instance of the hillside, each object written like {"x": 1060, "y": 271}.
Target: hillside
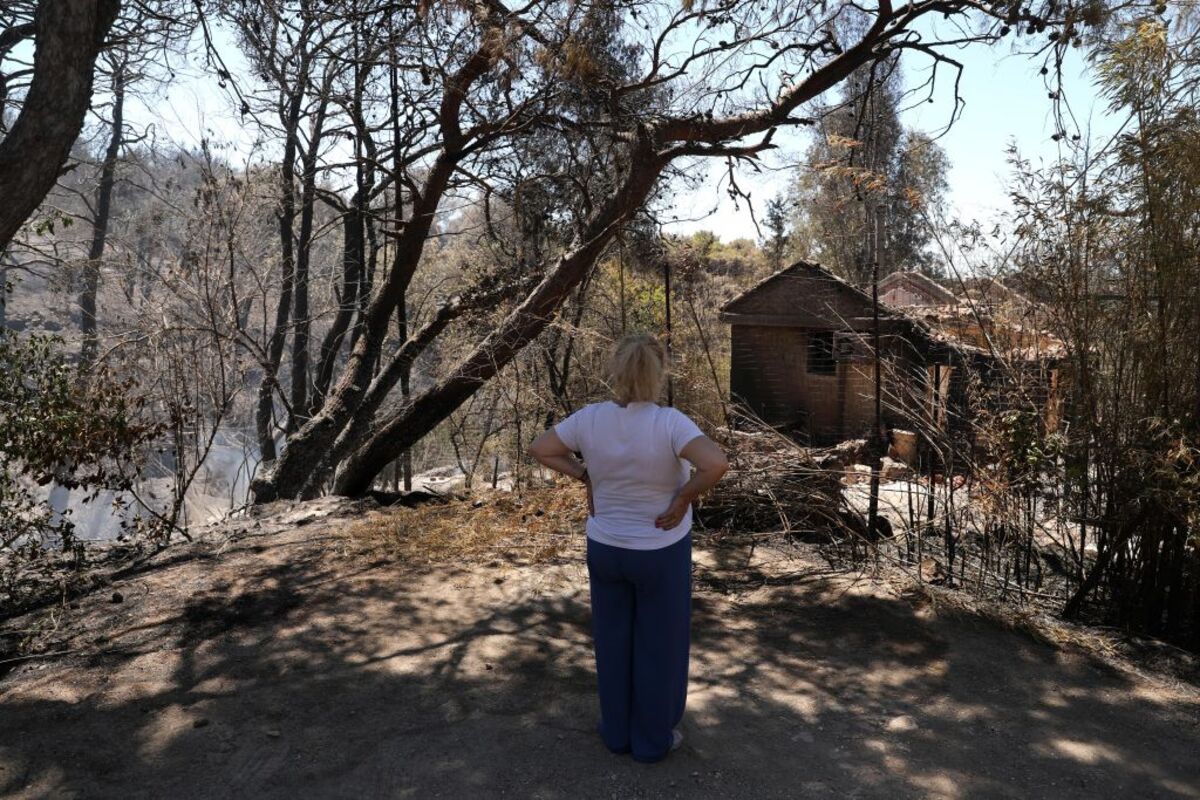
{"x": 332, "y": 649}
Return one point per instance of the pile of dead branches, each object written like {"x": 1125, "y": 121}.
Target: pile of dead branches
{"x": 774, "y": 486}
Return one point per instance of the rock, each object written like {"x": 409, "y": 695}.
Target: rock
{"x": 117, "y": 597}
{"x": 893, "y": 470}
{"x": 901, "y": 724}
{"x": 858, "y": 473}
{"x": 842, "y": 455}
{"x": 932, "y": 571}
{"x": 903, "y": 447}
{"x": 412, "y": 499}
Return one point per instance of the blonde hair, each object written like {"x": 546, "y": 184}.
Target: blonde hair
{"x": 638, "y": 369}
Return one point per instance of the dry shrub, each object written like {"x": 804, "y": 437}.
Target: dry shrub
{"x": 774, "y": 485}
{"x": 542, "y": 525}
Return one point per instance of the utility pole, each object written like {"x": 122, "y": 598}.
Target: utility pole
{"x": 621, "y": 279}
{"x": 878, "y": 437}
{"x": 667, "y": 302}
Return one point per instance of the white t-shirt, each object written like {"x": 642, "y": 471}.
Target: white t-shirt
{"x": 632, "y": 456}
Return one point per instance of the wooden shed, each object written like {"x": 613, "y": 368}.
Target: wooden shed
{"x": 802, "y": 358}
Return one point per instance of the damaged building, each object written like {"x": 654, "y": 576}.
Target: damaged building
{"x": 802, "y": 345}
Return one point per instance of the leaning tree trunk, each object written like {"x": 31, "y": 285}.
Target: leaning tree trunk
{"x": 307, "y": 447}
{"x": 359, "y": 428}
{"x": 423, "y": 413}
{"x": 68, "y": 35}
{"x": 104, "y": 193}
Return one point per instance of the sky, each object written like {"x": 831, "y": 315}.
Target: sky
{"x": 1005, "y": 102}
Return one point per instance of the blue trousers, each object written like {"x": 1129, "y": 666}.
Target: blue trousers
{"x": 641, "y": 619}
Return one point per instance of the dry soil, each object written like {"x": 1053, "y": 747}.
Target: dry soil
{"x": 278, "y": 658}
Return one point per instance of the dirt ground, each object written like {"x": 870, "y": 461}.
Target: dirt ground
{"x": 278, "y": 659}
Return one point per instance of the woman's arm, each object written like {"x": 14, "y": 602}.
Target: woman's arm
{"x": 710, "y": 463}
{"x": 550, "y": 451}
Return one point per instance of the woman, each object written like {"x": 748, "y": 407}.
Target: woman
{"x": 639, "y": 548}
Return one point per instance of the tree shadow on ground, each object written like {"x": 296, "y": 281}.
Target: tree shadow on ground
{"x": 318, "y": 677}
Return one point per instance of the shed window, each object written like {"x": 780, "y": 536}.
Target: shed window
{"x": 821, "y": 360}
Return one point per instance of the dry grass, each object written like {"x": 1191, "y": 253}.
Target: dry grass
{"x": 541, "y": 525}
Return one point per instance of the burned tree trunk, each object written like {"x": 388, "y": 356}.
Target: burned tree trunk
{"x": 309, "y": 446}
{"x": 103, "y": 212}
{"x": 302, "y": 321}
{"x": 354, "y": 246}
{"x": 264, "y": 415}
{"x": 68, "y": 35}
{"x": 353, "y": 262}
{"x": 3, "y": 289}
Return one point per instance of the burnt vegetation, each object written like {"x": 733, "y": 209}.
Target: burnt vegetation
{"x": 437, "y": 216}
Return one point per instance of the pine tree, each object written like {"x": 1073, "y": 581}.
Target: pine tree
{"x": 775, "y": 242}
{"x": 863, "y": 171}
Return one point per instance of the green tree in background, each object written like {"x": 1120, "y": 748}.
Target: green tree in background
{"x": 775, "y": 238}
{"x": 868, "y": 185}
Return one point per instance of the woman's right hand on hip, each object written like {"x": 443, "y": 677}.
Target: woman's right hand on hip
{"x": 673, "y": 515}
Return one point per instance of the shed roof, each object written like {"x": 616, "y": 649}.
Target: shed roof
{"x": 993, "y": 290}
{"x": 921, "y": 283}
{"x": 744, "y": 303}
{"x": 947, "y": 326}
{"x": 843, "y": 306}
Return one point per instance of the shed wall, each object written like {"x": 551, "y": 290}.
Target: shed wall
{"x": 769, "y": 377}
